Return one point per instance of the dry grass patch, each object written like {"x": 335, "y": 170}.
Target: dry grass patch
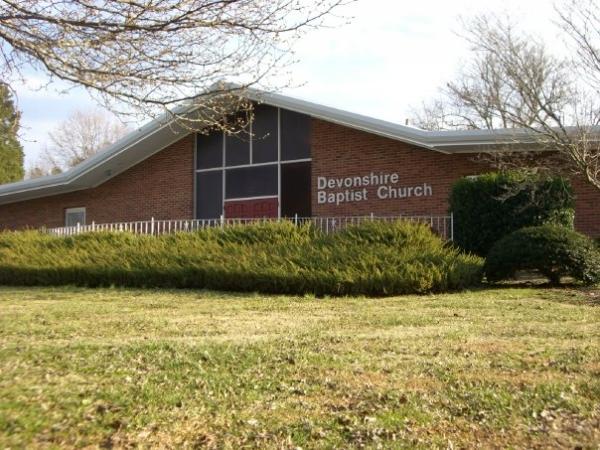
{"x": 127, "y": 368}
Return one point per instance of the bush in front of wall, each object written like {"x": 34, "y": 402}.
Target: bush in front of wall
{"x": 552, "y": 250}
{"x": 492, "y": 205}
{"x": 371, "y": 259}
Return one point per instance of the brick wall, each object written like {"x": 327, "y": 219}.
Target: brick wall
{"x": 341, "y": 152}
{"x": 160, "y": 187}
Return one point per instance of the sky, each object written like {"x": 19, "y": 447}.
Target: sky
{"x": 389, "y": 58}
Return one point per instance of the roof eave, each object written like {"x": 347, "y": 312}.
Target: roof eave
{"x": 115, "y": 159}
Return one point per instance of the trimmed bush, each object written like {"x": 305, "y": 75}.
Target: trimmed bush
{"x": 552, "y": 250}
{"x": 372, "y": 259}
{"x": 493, "y": 205}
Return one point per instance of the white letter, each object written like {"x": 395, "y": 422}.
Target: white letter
{"x": 321, "y": 183}
{"x": 321, "y": 197}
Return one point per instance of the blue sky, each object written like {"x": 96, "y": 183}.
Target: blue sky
{"x": 393, "y": 55}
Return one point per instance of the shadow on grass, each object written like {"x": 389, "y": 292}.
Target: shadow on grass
{"x": 569, "y": 291}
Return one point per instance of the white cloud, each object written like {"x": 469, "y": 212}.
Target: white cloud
{"x": 396, "y": 54}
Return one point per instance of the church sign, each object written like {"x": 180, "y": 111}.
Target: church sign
{"x": 383, "y": 186}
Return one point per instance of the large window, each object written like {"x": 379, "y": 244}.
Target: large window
{"x": 269, "y": 161}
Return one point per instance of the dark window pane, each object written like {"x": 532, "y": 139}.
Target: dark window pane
{"x": 264, "y": 129}
{"x": 210, "y": 150}
{"x": 237, "y": 150}
{"x": 295, "y": 135}
{"x": 295, "y": 190}
{"x": 237, "y": 144}
{"x": 209, "y": 194}
{"x": 251, "y": 181}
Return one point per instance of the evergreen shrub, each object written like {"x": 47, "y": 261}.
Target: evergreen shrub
{"x": 490, "y": 206}
{"x": 372, "y": 259}
{"x": 552, "y": 250}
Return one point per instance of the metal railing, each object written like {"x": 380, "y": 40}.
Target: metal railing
{"x": 443, "y": 225}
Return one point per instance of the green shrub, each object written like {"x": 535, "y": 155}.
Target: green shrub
{"x": 372, "y": 259}
{"x": 552, "y": 250}
{"x": 493, "y": 205}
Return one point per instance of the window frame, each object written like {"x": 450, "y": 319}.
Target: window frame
{"x": 279, "y": 162}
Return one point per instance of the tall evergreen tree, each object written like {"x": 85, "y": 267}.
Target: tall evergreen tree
{"x": 11, "y": 151}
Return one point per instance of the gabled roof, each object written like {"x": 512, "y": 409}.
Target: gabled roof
{"x": 163, "y": 131}
{"x": 441, "y": 141}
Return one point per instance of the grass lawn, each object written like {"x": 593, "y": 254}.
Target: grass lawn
{"x": 497, "y": 368}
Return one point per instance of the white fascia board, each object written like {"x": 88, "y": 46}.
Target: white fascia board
{"x": 348, "y": 119}
{"x": 476, "y": 141}
{"x": 440, "y": 141}
{"x": 75, "y": 178}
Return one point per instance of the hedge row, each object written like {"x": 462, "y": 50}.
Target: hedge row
{"x": 372, "y": 259}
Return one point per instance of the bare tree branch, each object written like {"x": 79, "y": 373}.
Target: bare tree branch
{"x": 149, "y": 55}
{"x": 514, "y": 82}
{"x": 82, "y": 135}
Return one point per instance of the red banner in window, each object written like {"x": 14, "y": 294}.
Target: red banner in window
{"x": 251, "y": 209}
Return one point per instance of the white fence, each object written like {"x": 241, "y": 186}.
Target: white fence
{"x": 442, "y": 225}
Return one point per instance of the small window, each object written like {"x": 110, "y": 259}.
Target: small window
{"x": 74, "y": 217}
